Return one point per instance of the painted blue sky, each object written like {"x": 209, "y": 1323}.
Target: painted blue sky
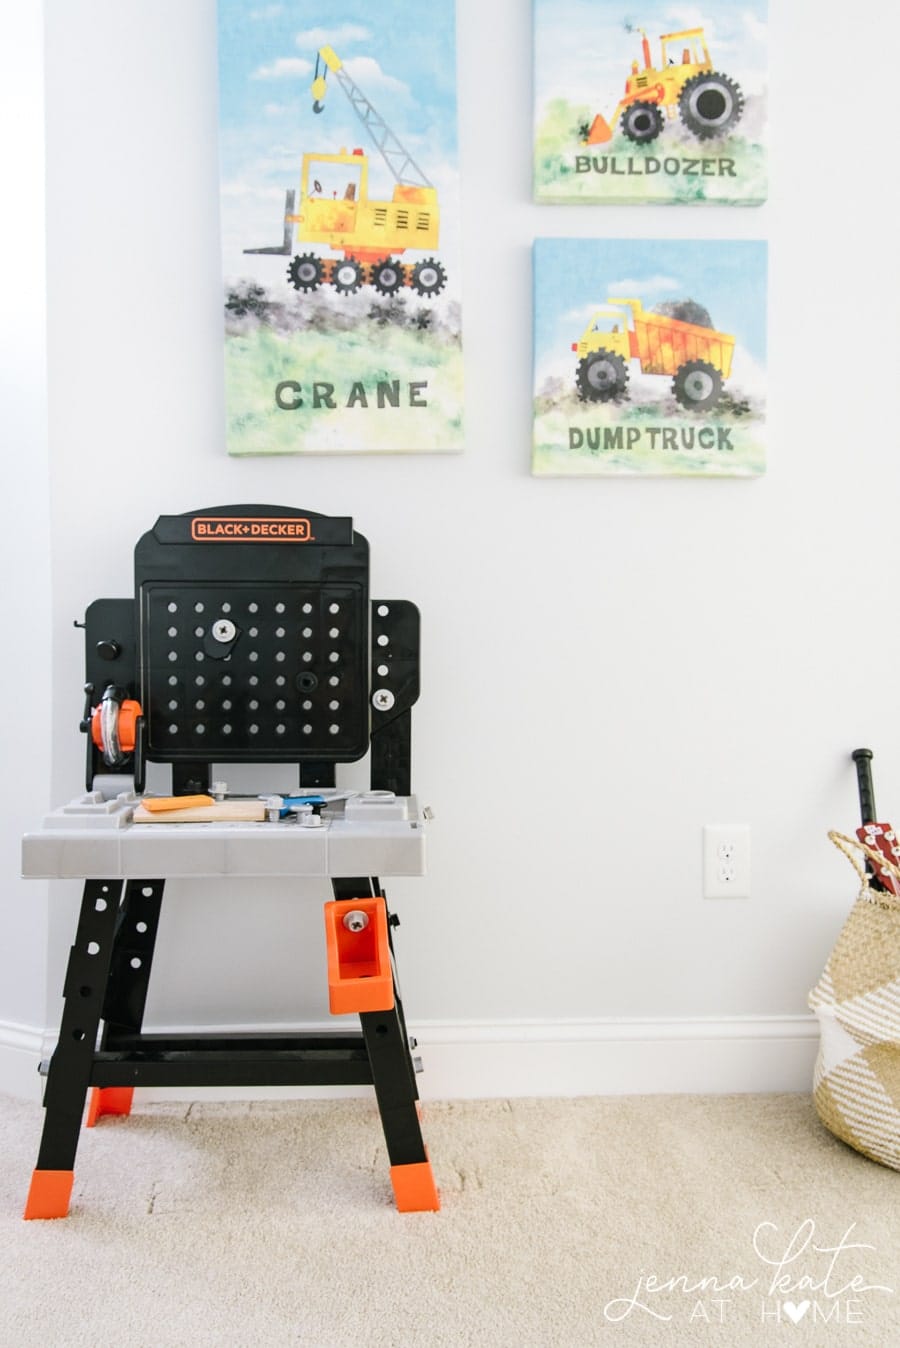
{"x": 267, "y": 55}
{"x": 401, "y": 55}
{"x": 584, "y": 48}
{"x": 574, "y": 277}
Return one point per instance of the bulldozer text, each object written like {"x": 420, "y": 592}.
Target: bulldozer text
{"x": 645, "y": 167}
{"x": 290, "y": 395}
{"x": 608, "y": 438}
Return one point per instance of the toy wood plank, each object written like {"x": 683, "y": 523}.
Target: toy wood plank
{"x": 223, "y": 811}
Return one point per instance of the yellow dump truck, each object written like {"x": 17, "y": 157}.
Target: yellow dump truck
{"x": 623, "y": 330}
{"x": 708, "y": 102}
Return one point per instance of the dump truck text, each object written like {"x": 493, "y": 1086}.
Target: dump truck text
{"x": 607, "y": 438}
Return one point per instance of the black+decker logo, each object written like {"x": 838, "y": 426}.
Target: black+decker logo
{"x": 227, "y": 529}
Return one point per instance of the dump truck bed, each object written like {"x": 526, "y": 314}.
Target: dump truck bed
{"x": 664, "y": 344}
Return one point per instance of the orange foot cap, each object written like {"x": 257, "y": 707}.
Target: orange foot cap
{"x": 414, "y": 1188}
{"x": 108, "y": 1100}
{"x": 49, "y": 1194}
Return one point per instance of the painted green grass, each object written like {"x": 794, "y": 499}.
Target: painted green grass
{"x": 558, "y": 142}
{"x": 743, "y": 439}
{"x": 353, "y": 359}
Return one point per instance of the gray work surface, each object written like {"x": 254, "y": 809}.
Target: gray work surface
{"x": 92, "y": 839}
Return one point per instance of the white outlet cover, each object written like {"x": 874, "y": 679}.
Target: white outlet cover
{"x": 726, "y": 861}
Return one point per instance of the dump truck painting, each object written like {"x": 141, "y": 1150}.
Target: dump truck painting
{"x": 708, "y": 102}
{"x": 698, "y": 357}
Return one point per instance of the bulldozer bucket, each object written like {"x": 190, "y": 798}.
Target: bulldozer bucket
{"x": 599, "y": 133}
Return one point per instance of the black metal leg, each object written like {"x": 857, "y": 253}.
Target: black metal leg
{"x": 132, "y": 958}
{"x": 70, "y": 1066}
{"x": 395, "y": 1085}
{"x": 393, "y": 1074}
{"x": 126, "y": 991}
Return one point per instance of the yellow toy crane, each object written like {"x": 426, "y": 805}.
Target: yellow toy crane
{"x": 335, "y": 209}
{"x": 708, "y": 102}
{"x": 698, "y": 356}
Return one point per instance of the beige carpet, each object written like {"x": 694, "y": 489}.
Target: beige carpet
{"x": 237, "y": 1224}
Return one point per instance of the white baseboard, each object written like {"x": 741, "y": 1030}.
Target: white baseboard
{"x": 468, "y": 1060}
{"x": 619, "y": 1057}
{"x": 21, "y": 1049}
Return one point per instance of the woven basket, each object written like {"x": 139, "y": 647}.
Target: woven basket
{"x": 857, "y": 1003}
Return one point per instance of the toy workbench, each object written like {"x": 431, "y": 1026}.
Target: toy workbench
{"x": 251, "y": 638}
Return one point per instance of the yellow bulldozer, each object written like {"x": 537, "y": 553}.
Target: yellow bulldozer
{"x": 335, "y": 209}
{"x": 697, "y": 355}
{"x": 684, "y": 83}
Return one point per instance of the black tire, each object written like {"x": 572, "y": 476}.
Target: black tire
{"x": 428, "y": 278}
{"x": 387, "y": 276}
{"x": 642, "y": 122}
{"x": 347, "y": 276}
{"x": 697, "y": 385}
{"x": 305, "y": 272}
{"x": 710, "y": 105}
{"x": 602, "y": 376}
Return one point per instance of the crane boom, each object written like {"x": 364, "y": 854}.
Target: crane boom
{"x": 399, "y": 161}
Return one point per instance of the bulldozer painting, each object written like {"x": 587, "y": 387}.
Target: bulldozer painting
{"x": 708, "y": 102}
{"x": 647, "y": 109}
{"x": 632, "y": 375}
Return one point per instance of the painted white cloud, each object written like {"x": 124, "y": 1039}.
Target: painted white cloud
{"x": 686, "y": 16}
{"x": 756, "y": 30}
{"x": 341, "y": 35}
{"x": 649, "y": 285}
{"x": 285, "y": 68}
{"x": 582, "y": 314}
{"x": 368, "y": 74}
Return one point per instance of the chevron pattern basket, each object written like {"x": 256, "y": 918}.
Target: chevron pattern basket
{"x": 857, "y": 1003}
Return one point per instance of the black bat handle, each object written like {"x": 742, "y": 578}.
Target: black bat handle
{"x": 863, "y": 760}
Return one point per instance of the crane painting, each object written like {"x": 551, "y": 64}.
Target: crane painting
{"x": 339, "y": 228}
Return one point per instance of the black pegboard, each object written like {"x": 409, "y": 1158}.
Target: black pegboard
{"x": 252, "y": 638}
{"x": 258, "y": 672}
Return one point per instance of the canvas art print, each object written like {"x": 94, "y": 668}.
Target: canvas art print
{"x": 661, "y": 103}
{"x": 649, "y": 357}
{"x": 340, "y": 225}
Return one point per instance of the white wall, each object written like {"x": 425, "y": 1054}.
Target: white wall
{"x": 608, "y": 664}
{"x": 25, "y": 671}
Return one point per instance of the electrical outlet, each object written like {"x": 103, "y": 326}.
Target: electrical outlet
{"x": 726, "y": 861}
